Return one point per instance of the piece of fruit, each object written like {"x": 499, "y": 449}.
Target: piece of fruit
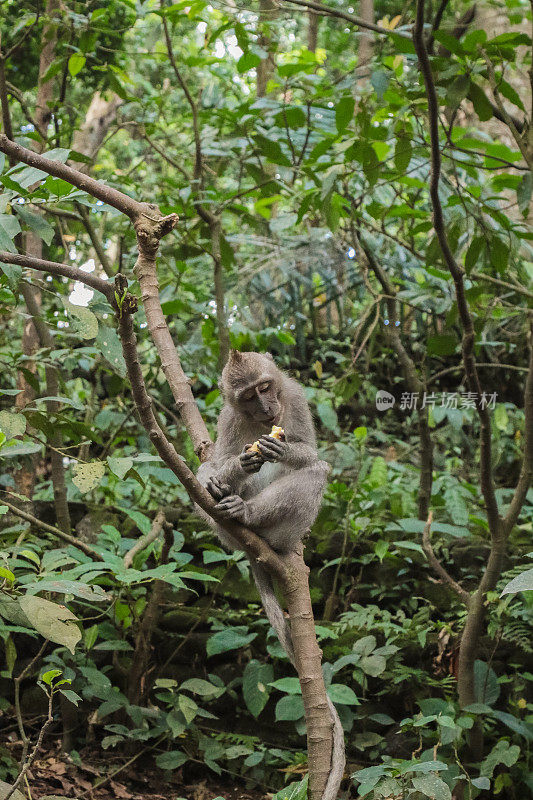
{"x": 276, "y": 433}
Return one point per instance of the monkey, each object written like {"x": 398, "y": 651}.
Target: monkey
{"x": 275, "y": 491}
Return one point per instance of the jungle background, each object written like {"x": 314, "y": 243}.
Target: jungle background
{"x": 293, "y": 143}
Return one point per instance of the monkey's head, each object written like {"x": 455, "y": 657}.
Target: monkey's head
{"x": 253, "y": 385}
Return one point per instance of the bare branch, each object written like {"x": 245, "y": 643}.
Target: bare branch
{"x": 457, "y": 273}
{"x": 437, "y": 566}
{"x": 144, "y": 541}
{"x": 506, "y": 117}
{"x": 54, "y": 268}
{"x": 327, "y": 11}
{"x": 107, "y": 194}
{"x": 411, "y": 376}
{"x": 95, "y": 240}
{"x": 85, "y": 548}
{"x": 190, "y": 100}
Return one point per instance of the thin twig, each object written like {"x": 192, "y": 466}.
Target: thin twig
{"x": 35, "y": 750}
{"x": 437, "y": 566}
{"x": 87, "y": 549}
{"x": 144, "y": 541}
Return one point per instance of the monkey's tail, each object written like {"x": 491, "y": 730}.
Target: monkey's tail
{"x": 273, "y": 609}
{"x": 279, "y": 623}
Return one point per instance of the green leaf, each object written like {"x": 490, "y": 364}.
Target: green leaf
{"x": 255, "y": 683}
{"x": 51, "y": 620}
{"x": 229, "y": 639}
{"x": 499, "y": 253}
{"x": 481, "y": 783}
{"x": 449, "y": 42}
{"x": 523, "y": 193}
{"x": 76, "y": 63}
{"x": 247, "y": 61}
{"x": 48, "y": 677}
{"x": 108, "y": 343}
{"x": 486, "y": 686}
{"x": 12, "y": 424}
{"x": 188, "y": 707}
{"x": 9, "y": 227}
{"x": 481, "y": 103}
{"x": 88, "y": 476}
{"x": 344, "y": 112}
{"x": 328, "y": 417}
{"x": 271, "y": 150}
{"x": 522, "y": 583}
{"x": 501, "y": 753}
{"x": 171, "y": 760}
{"x": 71, "y": 696}
{"x": 432, "y": 786}
{"x": 287, "y": 685}
{"x": 120, "y": 466}
{"x": 290, "y": 708}
{"x": 458, "y": 90}
{"x": 378, "y": 473}
{"x": 36, "y": 223}
{"x": 201, "y": 687}
{"x": 402, "y": 153}
{"x": 93, "y": 594}
{"x": 380, "y": 81}
{"x": 343, "y": 695}
{"x": 443, "y": 345}
{"x": 86, "y": 321}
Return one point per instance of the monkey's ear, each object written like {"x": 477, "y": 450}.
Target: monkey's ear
{"x": 235, "y": 356}
{"x": 269, "y": 355}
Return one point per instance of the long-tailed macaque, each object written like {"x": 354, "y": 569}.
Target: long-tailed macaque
{"x": 276, "y": 491}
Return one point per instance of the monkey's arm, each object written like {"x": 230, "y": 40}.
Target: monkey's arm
{"x": 229, "y": 472}
{"x": 296, "y": 455}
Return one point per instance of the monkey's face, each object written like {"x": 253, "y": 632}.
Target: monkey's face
{"x": 261, "y": 402}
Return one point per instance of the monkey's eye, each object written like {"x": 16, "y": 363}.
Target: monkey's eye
{"x": 264, "y": 387}
{"x": 248, "y": 396}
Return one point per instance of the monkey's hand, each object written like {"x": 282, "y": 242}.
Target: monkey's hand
{"x": 272, "y": 449}
{"x": 217, "y": 489}
{"x": 232, "y": 507}
{"x": 251, "y": 462}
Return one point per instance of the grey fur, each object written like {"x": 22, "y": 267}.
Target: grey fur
{"x": 277, "y": 493}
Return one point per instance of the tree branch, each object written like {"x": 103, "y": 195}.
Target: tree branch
{"x": 85, "y": 548}
{"x": 327, "y": 11}
{"x": 411, "y": 376}
{"x": 437, "y": 566}
{"x": 54, "y": 268}
{"x": 472, "y": 377}
{"x": 107, "y": 194}
{"x": 144, "y": 541}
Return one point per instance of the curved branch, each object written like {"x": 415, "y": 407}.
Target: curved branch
{"x": 457, "y": 273}
{"x": 144, "y": 541}
{"x": 54, "y": 268}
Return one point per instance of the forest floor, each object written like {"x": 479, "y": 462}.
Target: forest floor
{"x": 54, "y": 774}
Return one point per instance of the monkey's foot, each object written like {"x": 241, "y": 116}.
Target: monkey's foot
{"x": 232, "y": 507}
{"x": 217, "y": 489}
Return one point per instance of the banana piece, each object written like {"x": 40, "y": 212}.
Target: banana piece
{"x": 276, "y": 433}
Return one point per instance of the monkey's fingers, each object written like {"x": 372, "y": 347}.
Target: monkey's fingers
{"x": 217, "y": 489}
{"x": 270, "y": 452}
{"x": 232, "y": 507}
